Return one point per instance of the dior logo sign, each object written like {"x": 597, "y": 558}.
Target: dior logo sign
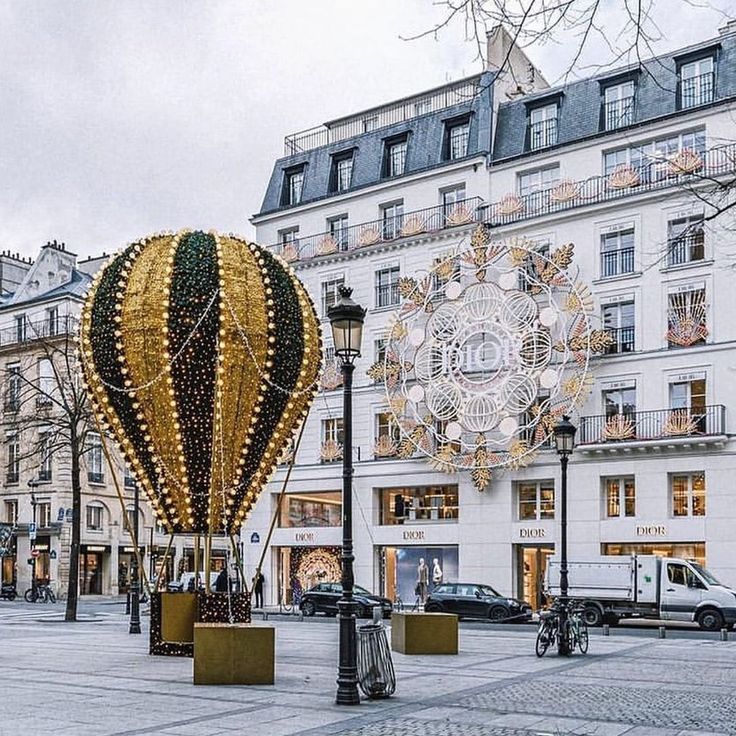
{"x": 651, "y": 530}
{"x": 413, "y": 535}
{"x": 531, "y": 533}
{"x": 304, "y": 536}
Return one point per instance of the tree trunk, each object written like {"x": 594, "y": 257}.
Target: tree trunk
{"x": 73, "y": 589}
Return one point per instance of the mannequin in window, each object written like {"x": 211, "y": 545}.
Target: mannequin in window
{"x": 436, "y": 573}
{"x": 399, "y": 510}
{"x": 422, "y": 580}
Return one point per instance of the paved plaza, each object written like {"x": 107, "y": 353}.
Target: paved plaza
{"x": 93, "y": 679}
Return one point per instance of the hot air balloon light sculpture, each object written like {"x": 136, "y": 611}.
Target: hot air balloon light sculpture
{"x": 201, "y": 354}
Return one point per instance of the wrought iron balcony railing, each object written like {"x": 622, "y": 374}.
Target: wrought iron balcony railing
{"x": 696, "y": 91}
{"x": 617, "y": 113}
{"x": 662, "y": 424}
{"x": 685, "y": 167}
{"x": 686, "y": 248}
{"x": 623, "y": 340}
{"x": 542, "y": 134}
{"x": 22, "y": 332}
{"x": 617, "y": 262}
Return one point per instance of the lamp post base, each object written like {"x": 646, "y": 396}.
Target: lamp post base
{"x": 347, "y": 673}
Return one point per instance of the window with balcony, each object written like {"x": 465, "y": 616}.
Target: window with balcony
{"x": 542, "y": 131}
{"x": 618, "y": 322}
{"x": 697, "y": 82}
{"x": 332, "y": 439}
{"x": 128, "y": 479}
{"x": 95, "y": 516}
{"x": 388, "y": 434}
{"x": 46, "y": 382}
{"x": 451, "y": 198}
{"x": 530, "y": 429}
{"x": 379, "y": 354}
{"x": 528, "y": 276}
{"x": 45, "y": 439}
{"x": 535, "y": 186}
{"x": 456, "y": 139}
{"x": 95, "y": 472}
{"x": 11, "y": 512}
{"x": 418, "y": 504}
{"x": 392, "y": 219}
{"x": 13, "y": 457}
{"x": 293, "y": 186}
{"x": 394, "y": 160}
{"x": 387, "y": 287}
{"x": 618, "y": 105}
{"x": 617, "y": 253}
{"x": 619, "y": 401}
{"x": 21, "y": 328}
{"x": 687, "y": 318}
{"x": 318, "y": 508}
{"x": 651, "y": 159}
{"x": 13, "y": 391}
{"x": 341, "y": 177}
{"x": 338, "y": 229}
{"x": 289, "y": 242}
{"x": 688, "y": 494}
{"x": 43, "y": 514}
{"x": 330, "y": 293}
{"x": 620, "y": 497}
{"x": 685, "y": 240}
{"x": 689, "y": 413}
{"x": 51, "y": 324}
{"x": 536, "y": 500}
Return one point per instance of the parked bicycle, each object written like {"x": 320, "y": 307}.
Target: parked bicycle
{"x": 573, "y": 635}
{"x": 41, "y": 594}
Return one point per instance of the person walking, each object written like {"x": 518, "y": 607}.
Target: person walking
{"x": 221, "y": 584}
{"x": 258, "y": 588}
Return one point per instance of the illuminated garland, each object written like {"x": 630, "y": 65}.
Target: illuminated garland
{"x": 201, "y": 355}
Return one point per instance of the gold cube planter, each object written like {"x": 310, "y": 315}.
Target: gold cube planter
{"x": 234, "y": 654}
{"x": 424, "y": 633}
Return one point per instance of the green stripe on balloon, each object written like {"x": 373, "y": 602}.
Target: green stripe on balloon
{"x": 287, "y": 363}
{"x": 194, "y": 283}
{"x": 104, "y": 357}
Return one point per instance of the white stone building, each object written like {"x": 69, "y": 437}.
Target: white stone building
{"x": 623, "y": 165}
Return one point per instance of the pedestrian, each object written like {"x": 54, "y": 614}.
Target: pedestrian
{"x": 221, "y": 584}
{"x": 258, "y": 588}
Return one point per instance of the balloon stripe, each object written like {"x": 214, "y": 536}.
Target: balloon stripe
{"x": 101, "y": 329}
{"x": 194, "y": 281}
{"x": 143, "y": 328}
{"x": 242, "y": 356}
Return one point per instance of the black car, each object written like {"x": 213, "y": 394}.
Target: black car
{"x": 473, "y": 600}
{"x": 323, "y": 598}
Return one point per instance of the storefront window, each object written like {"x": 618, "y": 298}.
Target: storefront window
{"x": 536, "y": 500}
{"x": 620, "y": 497}
{"x": 323, "y": 508}
{"x": 419, "y": 504}
{"x": 400, "y": 570}
{"x": 688, "y": 494}
{"x": 301, "y": 568}
{"x": 685, "y": 550}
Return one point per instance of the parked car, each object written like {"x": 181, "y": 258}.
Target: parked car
{"x": 323, "y": 598}
{"x": 182, "y": 584}
{"x": 474, "y": 600}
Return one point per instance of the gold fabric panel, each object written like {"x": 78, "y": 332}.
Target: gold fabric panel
{"x": 243, "y": 300}
{"x": 143, "y": 323}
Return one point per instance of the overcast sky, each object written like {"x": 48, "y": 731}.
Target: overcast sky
{"x": 118, "y": 119}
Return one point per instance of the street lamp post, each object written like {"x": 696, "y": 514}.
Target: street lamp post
{"x": 346, "y": 319}
{"x": 33, "y": 484}
{"x": 564, "y": 433}
{"x": 135, "y": 598}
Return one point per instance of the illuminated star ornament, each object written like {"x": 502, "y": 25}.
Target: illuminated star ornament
{"x": 201, "y": 355}
{"x": 486, "y": 353}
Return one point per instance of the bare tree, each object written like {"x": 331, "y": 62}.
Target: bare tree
{"x": 50, "y": 410}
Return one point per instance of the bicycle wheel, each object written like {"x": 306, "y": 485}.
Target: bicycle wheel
{"x": 51, "y": 596}
{"x": 29, "y": 596}
{"x": 583, "y": 637}
{"x": 544, "y": 639}
{"x": 566, "y": 638}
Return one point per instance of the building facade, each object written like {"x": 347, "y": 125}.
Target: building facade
{"x": 627, "y": 166}
{"x": 41, "y": 302}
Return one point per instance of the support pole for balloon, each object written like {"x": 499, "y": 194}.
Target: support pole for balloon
{"x": 196, "y": 562}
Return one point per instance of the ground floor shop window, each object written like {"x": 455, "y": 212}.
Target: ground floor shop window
{"x": 685, "y": 550}
{"x": 322, "y": 508}
{"x": 531, "y": 564}
{"x": 402, "y": 568}
{"x": 301, "y": 568}
{"x": 407, "y": 505}
{"x": 90, "y": 569}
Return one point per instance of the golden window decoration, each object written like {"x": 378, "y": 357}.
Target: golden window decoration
{"x": 619, "y": 427}
{"x": 369, "y": 236}
{"x": 413, "y": 225}
{"x": 330, "y": 451}
{"x": 623, "y": 177}
{"x": 680, "y": 423}
{"x": 510, "y": 204}
{"x": 685, "y": 161}
{"x": 566, "y": 191}
{"x": 326, "y": 246}
{"x": 461, "y": 214}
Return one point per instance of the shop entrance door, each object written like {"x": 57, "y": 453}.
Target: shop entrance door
{"x": 532, "y": 566}
{"x": 91, "y": 564}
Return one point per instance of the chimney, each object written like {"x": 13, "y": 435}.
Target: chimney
{"x": 728, "y": 29}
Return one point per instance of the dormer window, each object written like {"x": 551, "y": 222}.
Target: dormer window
{"x": 341, "y": 176}
{"x": 456, "y": 139}
{"x": 542, "y": 131}
{"x": 618, "y": 105}
{"x": 696, "y": 82}
{"x": 394, "y": 163}
{"x": 293, "y": 186}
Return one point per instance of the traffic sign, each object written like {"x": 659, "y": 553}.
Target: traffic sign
{"x": 35, "y": 553}
{"x": 32, "y": 530}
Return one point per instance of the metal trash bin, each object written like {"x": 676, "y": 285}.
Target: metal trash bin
{"x": 376, "y": 675}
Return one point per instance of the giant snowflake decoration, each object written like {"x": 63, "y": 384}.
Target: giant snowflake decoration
{"x": 486, "y": 353}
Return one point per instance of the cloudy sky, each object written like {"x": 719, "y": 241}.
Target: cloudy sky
{"x": 118, "y": 119}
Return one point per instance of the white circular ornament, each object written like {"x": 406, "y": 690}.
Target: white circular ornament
{"x": 453, "y": 290}
{"x": 416, "y": 393}
{"x": 508, "y": 280}
{"x": 548, "y": 378}
{"x": 547, "y": 317}
{"x": 453, "y": 431}
{"x": 416, "y": 337}
{"x": 508, "y": 426}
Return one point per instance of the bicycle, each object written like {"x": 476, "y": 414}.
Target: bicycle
{"x": 41, "y": 594}
{"x": 574, "y": 635}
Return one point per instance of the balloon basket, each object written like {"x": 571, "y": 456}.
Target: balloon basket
{"x": 173, "y": 616}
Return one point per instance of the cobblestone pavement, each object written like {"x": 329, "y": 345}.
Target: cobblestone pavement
{"x": 93, "y": 679}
